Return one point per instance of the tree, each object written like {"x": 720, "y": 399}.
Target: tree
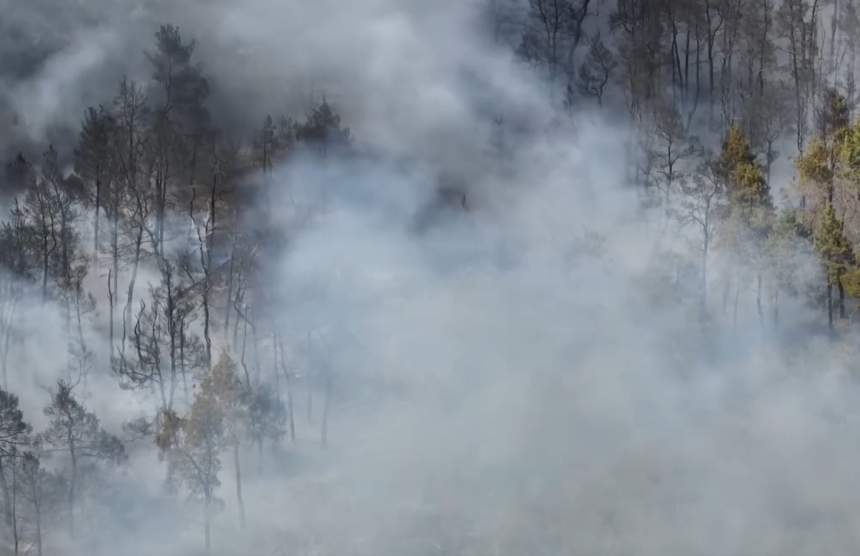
{"x": 130, "y": 205}
{"x": 192, "y": 447}
{"x": 595, "y": 71}
{"x": 797, "y": 22}
{"x": 180, "y": 121}
{"x": 553, "y": 30}
{"x": 41, "y": 213}
{"x": 183, "y": 89}
{"x": 223, "y": 167}
{"x": 164, "y": 350}
{"x": 14, "y": 436}
{"x": 93, "y": 162}
{"x": 42, "y": 489}
{"x": 768, "y": 121}
{"x": 749, "y": 207}
{"x": 823, "y": 166}
{"x": 19, "y": 172}
{"x": 641, "y": 51}
{"x": 747, "y": 189}
{"x": 502, "y": 19}
{"x": 836, "y": 255}
{"x": 321, "y": 130}
{"x": 76, "y": 432}
{"x": 668, "y": 150}
{"x": 224, "y": 386}
{"x": 701, "y": 206}
{"x": 789, "y": 245}
{"x": 266, "y": 416}
{"x": 278, "y": 346}
{"x": 14, "y": 277}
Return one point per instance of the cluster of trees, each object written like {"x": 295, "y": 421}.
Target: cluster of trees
{"x": 717, "y": 91}
{"x": 155, "y": 187}
{"x": 34, "y": 494}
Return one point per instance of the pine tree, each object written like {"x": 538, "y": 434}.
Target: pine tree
{"x": 14, "y": 435}
{"x": 747, "y": 190}
{"x": 836, "y": 255}
{"x": 749, "y": 211}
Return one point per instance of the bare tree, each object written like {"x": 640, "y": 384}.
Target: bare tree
{"x": 164, "y": 349}
{"x": 596, "y": 70}
{"x": 133, "y": 198}
{"x": 701, "y": 206}
{"x": 553, "y": 30}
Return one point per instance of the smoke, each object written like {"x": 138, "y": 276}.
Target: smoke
{"x": 55, "y": 92}
{"x": 524, "y": 377}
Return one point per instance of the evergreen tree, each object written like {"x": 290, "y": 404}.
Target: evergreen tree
{"x": 14, "y": 436}
{"x": 836, "y": 255}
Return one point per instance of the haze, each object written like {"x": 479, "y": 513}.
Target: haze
{"x": 414, "y": 277}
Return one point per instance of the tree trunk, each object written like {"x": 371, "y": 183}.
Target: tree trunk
{"x": 275, "y": 370}
{"x": 833, "y": 29}
{"x": 776, "y": 307}
{"x": 45, "y": 264}
{"x": 96, "y": 223}
{"x": 239, "y": 486}
{"x": 182, "y": 367}
{"x": 38, "y": 518}
{"x": 111, "y": 311}
{"x": 290, "y": 413}
{"x": 115, "y": 273}
{"x": 207, "y": 517}
{"x": 735, "y": 315}
{"x": 228, "y": 307}
{"x": 207, "y": 531}
{"x": 326, "y": 400}
{"x": 15, "y": 537}
{"x": 310, "y": 400}
{"x": 830, "y": 306}
{"x": 7, "y": 499}
{"x": 135, "y": 265}
{"x": 841, "y": 301}
{"x": 72, "y": 481}
{"x": 258, "y": 366}
{"x": 4, "y": 357}
{"x": 206, "y": 317}
{"x": 705, "y": 273}
{"x": 260, "y": 455}
{"x": 758, "y": 300}
{"x": 244, "y": 350}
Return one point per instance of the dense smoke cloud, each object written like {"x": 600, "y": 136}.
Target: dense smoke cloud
{"x": 524, "y": 376}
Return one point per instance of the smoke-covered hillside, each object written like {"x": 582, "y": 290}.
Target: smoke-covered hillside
{"x": 388, "y": 277}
